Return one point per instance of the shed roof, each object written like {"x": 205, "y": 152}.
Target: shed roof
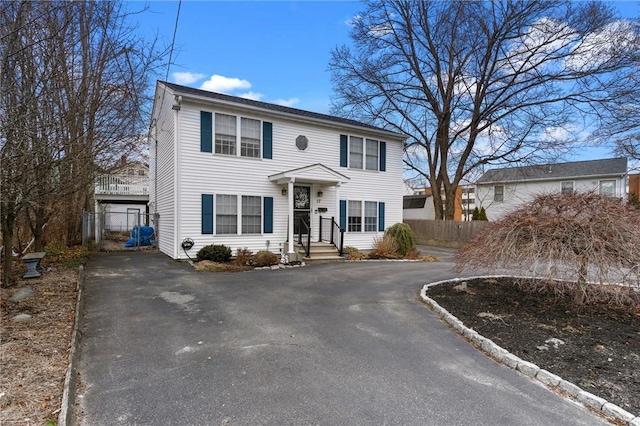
{"x": 577, "y": 169}
{"x": 190, "y": 91}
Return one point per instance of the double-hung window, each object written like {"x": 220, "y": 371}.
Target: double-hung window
{"x": 498, "y": 193}
{"x": 372, "y": 155}
{"x": 567, "y": 188}
{"x": 355, "y": 152}
{"x": 225, "y": 134}
{"x": 250, "y": 138}
{"x": 370, "y": 216}
{"x": 608, "y": 188}
{"x": 354, "y": 216}
{"x": 226, "y": 214}
{"x": 251, "y": 214}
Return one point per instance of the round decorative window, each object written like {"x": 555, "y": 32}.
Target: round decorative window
{"x": 302, "y": 142}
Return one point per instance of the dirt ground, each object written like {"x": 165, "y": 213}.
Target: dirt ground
{"x": 598, "y": 347}
{"x": 34, "y": 354}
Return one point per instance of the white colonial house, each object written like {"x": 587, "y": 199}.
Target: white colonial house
{"x": 501, "y": 191}
{"x": 244, "y": 173}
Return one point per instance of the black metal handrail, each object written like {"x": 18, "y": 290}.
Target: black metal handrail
{"x": 304, "y": 242}
{"x": 331, "y": 232}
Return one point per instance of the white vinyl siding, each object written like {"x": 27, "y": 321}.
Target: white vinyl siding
{"x": 225, "y": 134}
{"x": 226, "y": 214}
{"x": 223, "y": 174}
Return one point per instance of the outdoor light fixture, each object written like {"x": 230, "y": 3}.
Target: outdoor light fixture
{"x": 284, "y": 191}
{"x": 319, "y": 194}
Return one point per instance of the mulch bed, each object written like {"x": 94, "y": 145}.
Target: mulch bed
{"x": 600, "y": 345}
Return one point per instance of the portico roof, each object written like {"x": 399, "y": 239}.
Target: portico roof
{"x": 315, "y": 173}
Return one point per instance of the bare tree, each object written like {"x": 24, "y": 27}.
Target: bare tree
{"x": 74, "y": 79}
{"x": 478, "y": 83}
{"x": 579, "y": 244}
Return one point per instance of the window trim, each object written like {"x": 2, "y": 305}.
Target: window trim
{"x": 237, "y": 147}
{"x": 615, "y": 187}
{"x": 365, "y": 142}
{"x": 239, "y": 215}
{"x": 562, "y": 187}
{"x": 260, "y": 215}
{"x": 362, "y": 223}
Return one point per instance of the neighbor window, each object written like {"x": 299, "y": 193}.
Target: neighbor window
{"x": 354, "y": 216}
{"x": 251, "y": 214}
{"x": 226, "y": 134}
{"x": 498, "y": 193}
{"x": 226, "y": 214}
{"x": 370, "y": 216}
{"x": 372, "y": 155}
{"x": 567, "y": 188}
{"x": 355, "y": 153}
{"x": 250, "y": 138}
{"x": 608, "y": 188}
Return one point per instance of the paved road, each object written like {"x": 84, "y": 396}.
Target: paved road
{"x": 324, "y": 344}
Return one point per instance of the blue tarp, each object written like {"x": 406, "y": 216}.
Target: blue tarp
{"x": 142, "y": 234}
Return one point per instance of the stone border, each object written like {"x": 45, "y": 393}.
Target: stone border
{"x": 67, "y": 414}
{"x": 528, "y": 369}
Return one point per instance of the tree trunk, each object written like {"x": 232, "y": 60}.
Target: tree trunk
{"x": 8, "y": 221}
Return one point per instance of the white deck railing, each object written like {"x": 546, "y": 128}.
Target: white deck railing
{"x": 122, "y": 185}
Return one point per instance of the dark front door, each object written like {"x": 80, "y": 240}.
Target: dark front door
{"x": 301, "y": 207}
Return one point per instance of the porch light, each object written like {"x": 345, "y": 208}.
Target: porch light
{"x": 320, "y": 194}
{"x": 284, "y": 191}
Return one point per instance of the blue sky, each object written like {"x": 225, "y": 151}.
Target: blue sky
{"x": 275, "y": 52}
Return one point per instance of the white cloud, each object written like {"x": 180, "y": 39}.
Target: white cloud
{"x": 286, "y": 102}
{"x": 187, "y": 77}
{"x": 219, "y": 83}
{"x": 251, "y": 95}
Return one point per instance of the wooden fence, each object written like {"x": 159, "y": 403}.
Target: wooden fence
{"x": 445, "y": 233}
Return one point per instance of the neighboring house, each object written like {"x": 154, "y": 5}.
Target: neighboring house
{"x": 418, "y": 207}
{"x": 244, "y": 173}
{"x": 500, "y": 191}
{"x": 121, "y": 197}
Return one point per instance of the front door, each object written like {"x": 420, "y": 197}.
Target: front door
{"x": 301, "y": 207}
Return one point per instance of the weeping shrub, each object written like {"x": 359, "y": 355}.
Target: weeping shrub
{"x": 402, "y": 234}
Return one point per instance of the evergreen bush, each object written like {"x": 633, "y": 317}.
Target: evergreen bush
{"x": 403, "y": 236}
{"x": 215, "y": 253}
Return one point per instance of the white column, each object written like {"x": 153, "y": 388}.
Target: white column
{"x": 290, "y": 205}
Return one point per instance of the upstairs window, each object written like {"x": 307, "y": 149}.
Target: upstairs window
{"x": 372, "y": 155}
{"x": 225, "y": 134}
{"x": 250, "y": 138}
{"x": 355, "y": 153}
{"x": 498, "y": 193}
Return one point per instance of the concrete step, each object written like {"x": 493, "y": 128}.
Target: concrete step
{"x": 323, "y": 259}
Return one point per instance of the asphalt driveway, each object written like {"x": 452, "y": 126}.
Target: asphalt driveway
{"x": 324, "y": 344}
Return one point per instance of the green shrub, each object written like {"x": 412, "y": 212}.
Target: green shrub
{"x": 384, "y": 248}
{"x": 265, "y": 258}
{"x": 215, "y": 253}
{"x": 243, "y": 256}
{"x": 402, "y": 234}
{"x": 476, "y": 214}
{"x": 483, "y": 214}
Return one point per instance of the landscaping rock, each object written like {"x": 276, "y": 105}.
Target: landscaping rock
{"x": 591, "y": 400}
{"x": 21, "y": 294}
{"x": 528, "y": 368}
{"x": 21, "y": 317}
{"x": 548, "y": 378}
{"x": 614, "y": 411}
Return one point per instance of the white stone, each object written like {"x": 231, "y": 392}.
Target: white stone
{"x": 591, "y": 400}
{"x": 555, "y": 342}
{"x": 569, "y": 388}
{"x": 613, "y": 410}
{"x": 635, "y": 422}
{"x": 528, "y": 368}
{"x": 510, "y": 360}
{"x": 21, "y": 317}
{"x": 542, "y": 348}
{"x": 548, "y": 378}
{"x": 21, "y": 294}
